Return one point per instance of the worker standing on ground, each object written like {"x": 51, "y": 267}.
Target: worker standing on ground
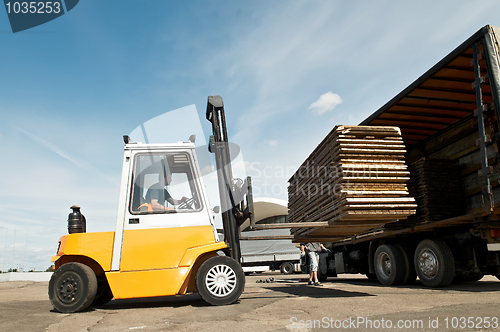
{"x": 312, "y": 250}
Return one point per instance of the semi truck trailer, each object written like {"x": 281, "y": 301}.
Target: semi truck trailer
{"x": 449, "y": 123}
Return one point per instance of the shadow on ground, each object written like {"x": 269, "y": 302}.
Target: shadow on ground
{"x": 463, "y": 286}
{"x": 314, "y": 291}
{"x": 193, "y": 300}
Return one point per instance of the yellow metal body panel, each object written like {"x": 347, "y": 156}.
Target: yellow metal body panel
{"x": 126, "y": 285}
{"x": 155, "y": 262}
{"x": 161, "y": 248}
{"x": 98, "y": 246}
{"x": 161, "y": 282}
{"x": 193, "y": 253}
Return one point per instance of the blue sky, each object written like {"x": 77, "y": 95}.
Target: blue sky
{"x": 288, "y": 72}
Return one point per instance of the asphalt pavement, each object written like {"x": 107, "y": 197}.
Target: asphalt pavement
{"x": 350, "y": 302}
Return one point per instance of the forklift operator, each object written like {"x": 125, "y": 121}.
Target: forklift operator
{"x": 158, "y": 194}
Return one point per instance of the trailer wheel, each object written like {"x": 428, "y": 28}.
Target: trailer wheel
{"x": 471, "y": 277}
{"x": 409, "y": 269}
{"x": 434, "y": 263}
{"x": 389, "y": 265}
{"x": 286, "y": 268}
{"x": 104, "y": 294}
{"x": 475, "y": 277}
{"x": 220, "y": 280}
{"x": 72, "y": 287}
{"x": 322, "y": 277}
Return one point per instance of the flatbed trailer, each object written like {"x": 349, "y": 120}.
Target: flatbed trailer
{"x": 449, "y": 115}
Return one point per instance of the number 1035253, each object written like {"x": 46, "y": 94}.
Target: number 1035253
{"x": 33, "y": 7}
{"x": 471, "y": 322}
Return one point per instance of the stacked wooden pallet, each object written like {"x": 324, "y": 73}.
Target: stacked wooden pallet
{"x": 356, "y": 175}
{"x": 436, "y": 186}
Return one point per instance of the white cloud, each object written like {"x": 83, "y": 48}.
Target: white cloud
{"x": 326, "y": 103}
{"x": 271, "y": 142}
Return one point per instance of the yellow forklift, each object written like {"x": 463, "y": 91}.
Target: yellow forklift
{"x": 161, "y": 246}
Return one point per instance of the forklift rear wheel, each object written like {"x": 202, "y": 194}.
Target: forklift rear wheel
{"x": 220, "y": 280}
{"x": 286, "y": 268}
{"x": 72, "y": 287}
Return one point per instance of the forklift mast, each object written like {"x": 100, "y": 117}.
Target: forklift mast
{"x": 235, "y": 207}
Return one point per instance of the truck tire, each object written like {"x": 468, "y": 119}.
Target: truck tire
{"x": 322, "y": 276}
{"x": 72, "y": 287}
{"x": 104, "y": 294}
{"x": 220, "y": 280}
{"x": 389, "y": 265}
{"x": 434, "y": 263}
{"x": 287, "y": 268}
{"x": 409, "y": 268}
{"x": 470, "y": 277}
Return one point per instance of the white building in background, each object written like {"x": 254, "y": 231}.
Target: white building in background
{"x": 269, "y": 254}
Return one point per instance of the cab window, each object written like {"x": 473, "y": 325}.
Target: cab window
{"x": 163, "y": 183}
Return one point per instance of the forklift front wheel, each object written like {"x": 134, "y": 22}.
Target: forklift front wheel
{"x": 72, "y": 287}
{"x": 220, "y": 280}
{"x": 103, "y": 294}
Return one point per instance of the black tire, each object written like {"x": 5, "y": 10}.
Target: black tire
{"x": 220, "y": 280}
{"x": 410, "y": 274}
{"x": 104, "y": 294}
{"x": 72, "y": 287}
{"x": 322, "y": 276}
{"x": 475, "y": 277}
{"x": 389, "y": 265}
{"x": 470, "y": 277}
{"x": 287, "y": 268}
{"x": 322, "y": 267}
{"x": 434, "y": 263}
{"x": 371, "y": 276}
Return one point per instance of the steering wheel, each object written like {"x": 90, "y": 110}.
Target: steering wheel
{"x": 188, "y": 204}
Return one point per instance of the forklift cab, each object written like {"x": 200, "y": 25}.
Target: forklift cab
{"x": 151, "y": 238}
